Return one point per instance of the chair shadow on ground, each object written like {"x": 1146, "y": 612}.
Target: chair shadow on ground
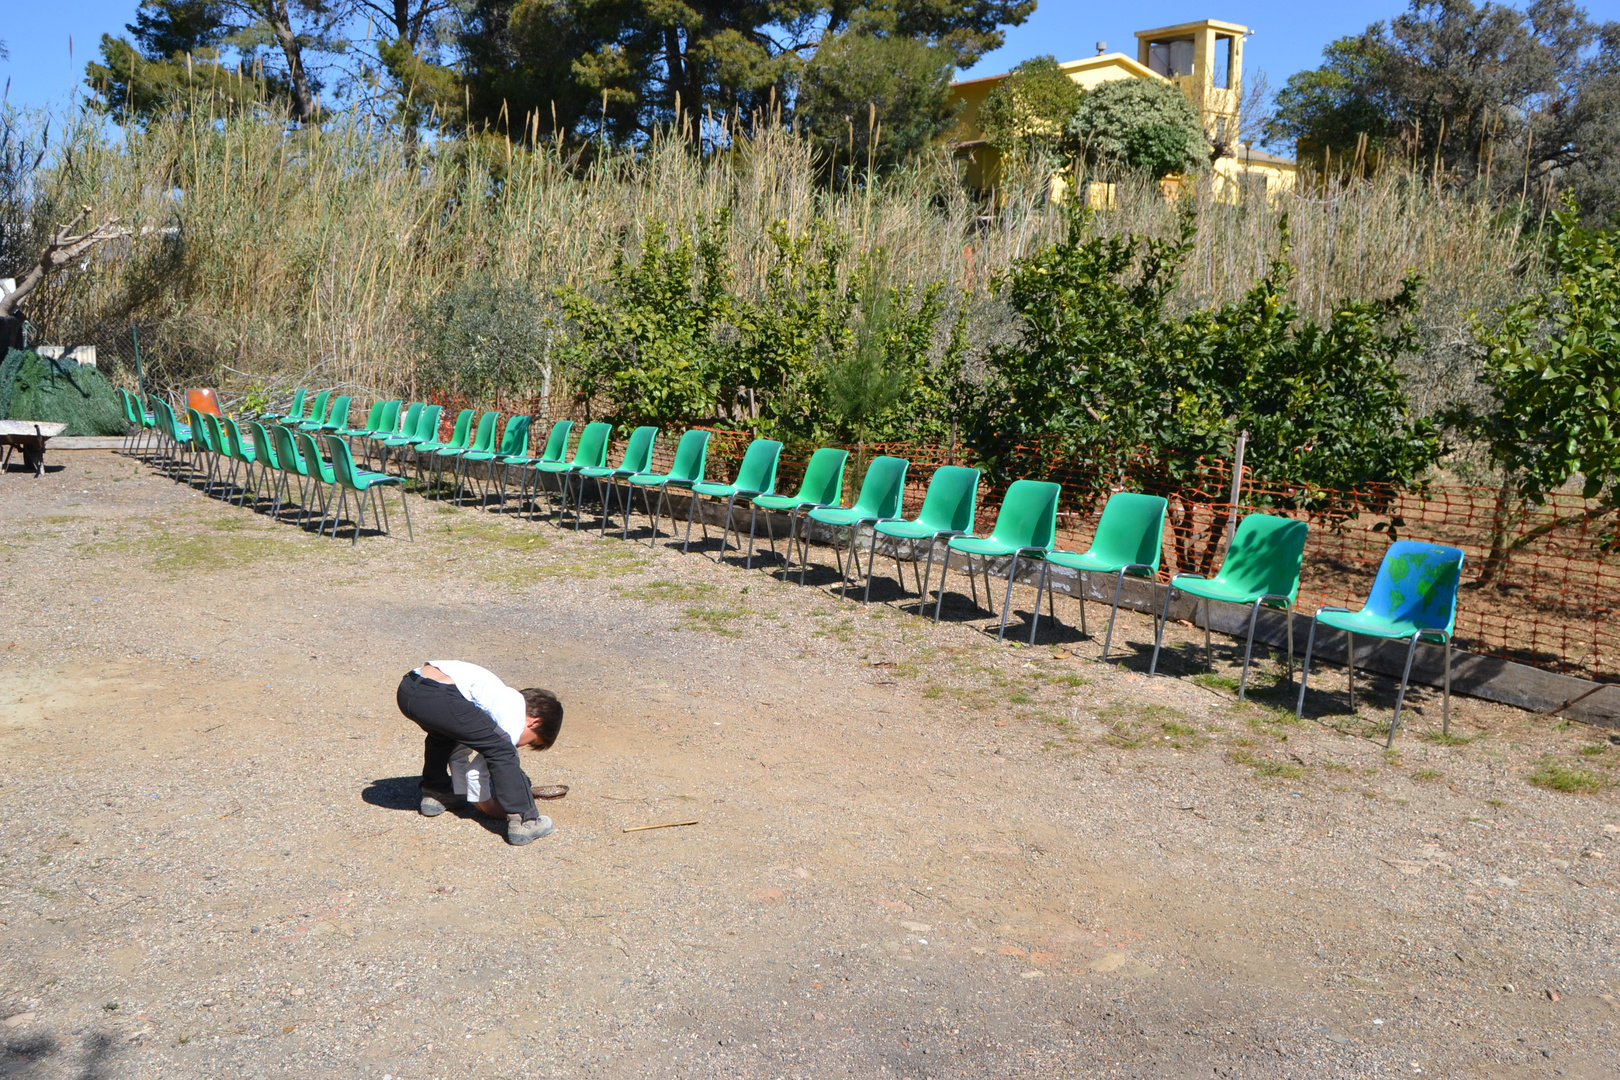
{"x": 401, "y": 793}
{"x": 30, "y": 1054}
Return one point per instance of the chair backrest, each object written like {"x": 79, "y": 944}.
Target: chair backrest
{"x": 1264, "y": 556}
{"x": 317, "y": 409}
{"x": 128, "y": 406}
{"x": 591, "y": 453}
{"x": 458, "y": 437}
{"x": 1131, "y": 530}
{"x": 342, "y": 461}
{"x": 882, "y": 487}
{"x": 1028, "y": 514}
{"x": 287, "y": 455}
{"x": 390, "y": 418}
{"x": 296, "y": 410}
{"x": 515, "y": 440}
{"x": 1416, "y": 585}
{"x": 427, "y": 423}
{"x": 216, "y": 434}
{"x": 557, "y": 441}
{"x": 758, "y": 469}
{"x": 264, "y": 447}
{"x": 823, "y": 482}
{"x": 691, "y": 457}
{"x": 314, "y": 464}
{"x": 484, "y": 440}
{"x": 339, "y": 414}
{"x": 413, "y": 417}
{"x": 374, "y": 418}
{"x": 952, "y": 499}
{"x": 233, "y": 439}
{"x": 165, "y": 415}
{"x": 200, "y": 434}
{"x": 638, "y": 450}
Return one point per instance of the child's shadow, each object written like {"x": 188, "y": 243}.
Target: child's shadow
{"x": 402, "y": 793}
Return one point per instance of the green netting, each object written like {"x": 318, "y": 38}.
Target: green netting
{"x": 33, "y": 387}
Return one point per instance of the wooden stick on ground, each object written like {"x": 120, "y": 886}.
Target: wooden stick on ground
{"x": 665, "y": 825}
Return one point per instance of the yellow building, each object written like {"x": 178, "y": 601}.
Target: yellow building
{"x": 1203, "y": 59}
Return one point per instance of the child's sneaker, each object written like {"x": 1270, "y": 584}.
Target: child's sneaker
{"x": 434, "y": 801}
{"x": 520, "y": 832}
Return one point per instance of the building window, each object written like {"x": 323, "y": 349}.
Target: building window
{"x": 1221, "y": 77}
{"x": 1171, "y": 59}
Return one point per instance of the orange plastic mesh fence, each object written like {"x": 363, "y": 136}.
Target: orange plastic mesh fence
{"x": 1541, "y": 583}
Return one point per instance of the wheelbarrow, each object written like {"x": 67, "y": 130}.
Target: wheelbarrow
{"x": 30, "y": 436}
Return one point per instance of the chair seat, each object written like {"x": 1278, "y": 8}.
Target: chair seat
{"x": 597, "y": 472}
{"x": 246, "y": 454}
{"x": 784, "y": 502}
{"x": 721, "y": 491}
{"x": 352, "y": 433}
{"x": 479, "y": 455}
{"x": 1365, "y": 622}
{"x": 838, "y": 515}
{"x": 451, "y": 451}
{"x": 1214, "y": 589}
{"x": 980, "y": 545}
{"x": 402, "y": 440}
{"x": 907, "y": 530}
{"x": 648, "y": 479}
{"x": 555, "y": 466}
{"x": 1085, "y": 560}
{"x": 363, "y": 480}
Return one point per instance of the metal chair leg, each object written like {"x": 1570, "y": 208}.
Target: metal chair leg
{"x": 1400, "y": 695}
{"x": 1109, "y": 638}
{"x": 871, "y": 561}
{"x": 1305, "y": 670}
{"x": 1350, "y": 666}
{"x": 1035, "y": 620}
{"x": 944, "y": 568}
{"x": 1445, "y": 728}
{"x": 1243, "y": 680}
{"x": 1006, "y": 604}
{"x": 1158, "y": 638}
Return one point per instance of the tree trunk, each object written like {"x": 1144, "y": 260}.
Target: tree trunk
{"x": 275, "y": 13}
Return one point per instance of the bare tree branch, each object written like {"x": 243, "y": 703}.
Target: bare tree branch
{"x": 64, "y": 247}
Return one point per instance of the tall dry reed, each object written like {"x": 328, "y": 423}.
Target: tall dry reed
{"x": 272, "y": 256}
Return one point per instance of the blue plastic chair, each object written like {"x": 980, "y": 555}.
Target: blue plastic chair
{"x": 1413, "y": 597}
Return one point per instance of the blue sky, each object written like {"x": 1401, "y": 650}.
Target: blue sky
{"x": 1286, "y": 38}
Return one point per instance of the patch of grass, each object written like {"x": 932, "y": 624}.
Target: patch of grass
{"x": 1280, "y": 769}
{"x": 1497, "y": 803}
{"x": 1072, "y": 681}
{"x": 666, "y": 591}
{"x": 1440, "y": 738}
{"x": 1182, "y": 736}
{"x": 1428, "y": 774}
{"x": 1128, "y": 726}
{"x": 1556, "y": 776}
{"x": 177, "y": 555}
{"x": 934, "y": 690}
{"x": 63, "y": 519}
{"x": 713, "y": 617}
{"x": 1216, "y": 682}
{"x": 1021, "y": 697}
{"x": 1594, "y": 749}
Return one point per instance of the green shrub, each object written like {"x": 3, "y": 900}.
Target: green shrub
{"x": 33, "y": 387}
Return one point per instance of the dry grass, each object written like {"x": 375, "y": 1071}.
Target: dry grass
{"x": 266, "y": 255}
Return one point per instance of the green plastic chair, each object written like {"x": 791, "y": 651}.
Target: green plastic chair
{"x": 426, "y": 429}
{"x": 1414, "y": 596}
{"x": 638, "y": 452}
{"x": 403, "y": 423}
{"x": 514, "y": 440}
{"x": 293, "y": 464}
{"x": 1261, "y": 567}
{"x": 822, "y": 486}
{"x": 755, "y": 476}
{"x": 337, "y": 417}
{"x": 882, "y": 488}
{"x": 590, "y": 453}
{"x": 294, "y": 413}
{"x": 138, "y": 418}
{"x": 691, "y": 458}
{"x": 458, "y": 441}
{"x": 947, "y": 510}
{"x": 178, "y": 434}
{"x": 374, "y": 420}
{"x": 317, "y": 413}
{"x": 483, "y": 441}
{"x": 264, "y": 452}
{"x": 204, "y": 440}
{"x": 320, "y": 473}
{"x": 385, "y": 426}
{"x": 556, "y": 449}
{"x": 364, "y": 484}
{"x": 1129, "y": 540}
{"x": 240, "y": 454}
{"x": 1026, "y": 524}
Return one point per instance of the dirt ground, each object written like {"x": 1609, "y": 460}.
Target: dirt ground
{"x": 917, "y": 853}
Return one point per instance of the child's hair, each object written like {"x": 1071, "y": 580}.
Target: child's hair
{"x": 544, "y": 705}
